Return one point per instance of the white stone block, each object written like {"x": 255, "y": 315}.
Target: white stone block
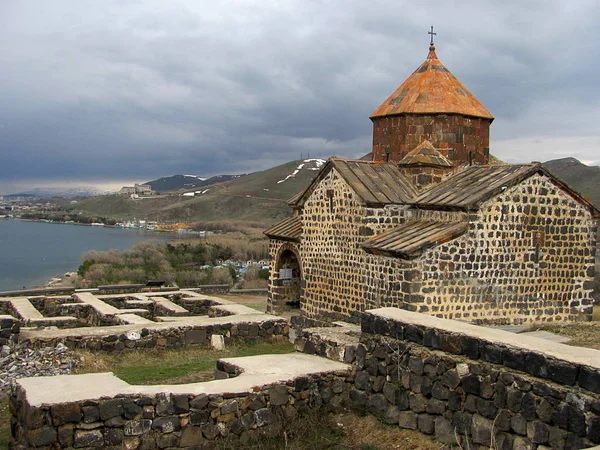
{"x": 217, "y": 341}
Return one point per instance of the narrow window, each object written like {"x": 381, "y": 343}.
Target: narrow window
{"x": 539, "y": 238}
{"x": 330, "y": 197}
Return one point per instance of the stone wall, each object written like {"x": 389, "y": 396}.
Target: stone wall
{"x": 173, "y": 420}
{"x": 527, "y": 257}
{"x": 466, "y": 385}
{"x": 211, "y": 289}
{"x": 499, "y": 273}
{"x": 125, "y": 338}
{"x": 454, "y": 136}
{"x": 36, "y": 292}
{"x": 9, "y": 330}
{"x": 472, "y": 386}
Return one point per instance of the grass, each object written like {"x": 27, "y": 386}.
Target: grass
{"x": 347, "y": 431}
{"x": 582, "y": 334}
{"x": 175, "y": 366}
{"x": 4, "y": 423}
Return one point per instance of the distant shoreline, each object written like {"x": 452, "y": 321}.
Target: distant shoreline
{"x": 33, "y": 255}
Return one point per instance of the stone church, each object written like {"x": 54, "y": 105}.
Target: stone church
{"x": 428, "y": 222}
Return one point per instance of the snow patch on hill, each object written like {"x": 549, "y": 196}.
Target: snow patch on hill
{"x": 307, "y": 164}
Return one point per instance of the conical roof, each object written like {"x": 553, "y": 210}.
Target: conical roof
{"x": 432, "y": 89}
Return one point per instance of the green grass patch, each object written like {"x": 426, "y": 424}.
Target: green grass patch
{"x": 176, "y": 366}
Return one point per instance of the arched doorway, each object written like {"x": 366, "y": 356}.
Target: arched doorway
{"x": 285, "y": 282}
{"x": 288, "y": 279}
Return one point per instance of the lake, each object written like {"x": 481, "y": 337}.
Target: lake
{"x": 33, "y": 252}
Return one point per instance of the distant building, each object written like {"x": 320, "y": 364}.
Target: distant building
{"x": 139, "y": 189}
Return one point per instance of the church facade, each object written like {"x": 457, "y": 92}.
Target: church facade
{"x": 428, "y": 223}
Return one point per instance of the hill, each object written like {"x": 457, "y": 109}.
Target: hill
{"x": 179, "y": 182}
{"x": 584, "y": 179}
{"x": 258, "y": 197}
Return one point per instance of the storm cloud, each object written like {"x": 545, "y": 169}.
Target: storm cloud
{"x": 95, "y": 92}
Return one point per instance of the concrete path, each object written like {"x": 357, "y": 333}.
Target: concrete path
{"x": 257, "y": 371}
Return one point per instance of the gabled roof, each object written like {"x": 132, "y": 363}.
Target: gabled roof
{"x": 425, "y": 154}
{"x": 289, "y": 229}
{"x": 468, "y": 188}
{"x": 375, "y": 183}
{"x": 412, "y": 238}
{"x": 378, "y": 184}
{"x": 432, "y": 89}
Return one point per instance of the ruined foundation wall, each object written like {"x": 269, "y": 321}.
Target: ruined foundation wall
{"x": 9, "y": 330}
{"x": 177, "y": 336}
{"x": 466, "y": 386}
{"x": 469, "y": 385}
{"x": 173, "y": 421}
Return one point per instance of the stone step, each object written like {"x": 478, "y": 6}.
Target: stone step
{"x": 336, "y": 343}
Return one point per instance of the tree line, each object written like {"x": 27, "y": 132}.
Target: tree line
{"x": 185, "y": 264}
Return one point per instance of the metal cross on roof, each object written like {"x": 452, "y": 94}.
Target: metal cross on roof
{"x": 432, "y": 35}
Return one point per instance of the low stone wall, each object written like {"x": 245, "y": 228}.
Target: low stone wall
{"x": 9, "y": 330}
{"x": 476, "y": 386}
{"x": 127, "y": 337}
{"x": 210, "y": 289}
{"x": 38, "y": 292}
{"x": 119, "y": 289}
{"x": 174, "y": 420}
{"x": 197, "y": 307}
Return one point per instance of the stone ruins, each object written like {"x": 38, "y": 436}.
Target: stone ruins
{"x": 120, "y": 321}
{"x": 477, "y": 387}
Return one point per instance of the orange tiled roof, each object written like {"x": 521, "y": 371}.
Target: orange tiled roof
{"x": 432, "y": 89}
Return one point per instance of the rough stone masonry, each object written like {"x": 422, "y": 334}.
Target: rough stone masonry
{"x": 461, "y": 383}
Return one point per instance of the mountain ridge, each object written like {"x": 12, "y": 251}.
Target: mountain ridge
{"x": 581, "y": 177}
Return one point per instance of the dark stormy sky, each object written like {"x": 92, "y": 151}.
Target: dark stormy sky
{"x": 109, "y": 92}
